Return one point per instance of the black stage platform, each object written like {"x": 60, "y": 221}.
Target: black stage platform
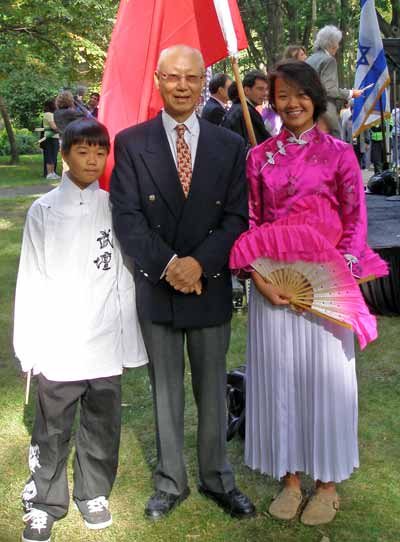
{"x": 383, "y": 295}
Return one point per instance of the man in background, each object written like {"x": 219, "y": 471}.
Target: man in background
{"x": 256, "y": 91}
{"x": 93, "y": 104}
{"x": 215, "y": 108}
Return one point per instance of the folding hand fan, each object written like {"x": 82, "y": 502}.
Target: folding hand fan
{"x": 325, "y": 289}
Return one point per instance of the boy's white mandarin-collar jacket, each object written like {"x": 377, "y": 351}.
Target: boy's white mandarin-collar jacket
{"x": 75, "y": 311}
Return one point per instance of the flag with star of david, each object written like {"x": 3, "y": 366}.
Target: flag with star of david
{"x": 371, "y": 72}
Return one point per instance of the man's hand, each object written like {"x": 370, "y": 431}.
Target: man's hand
{"x": 184, "y": 274}
{"x": 274, "y": 294}
{"x": 357, "y": 92}
{"x": 196, "y": 288}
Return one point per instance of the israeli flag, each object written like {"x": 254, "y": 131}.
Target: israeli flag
{"x": 371, "y": 72}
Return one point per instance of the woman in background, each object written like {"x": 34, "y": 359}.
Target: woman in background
{"x": 50, "y": 144}
{"x": 295, "y": 52}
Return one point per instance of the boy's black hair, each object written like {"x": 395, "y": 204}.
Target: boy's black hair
{"x": 301, "y": 75}
{"x": 87, "y": 131}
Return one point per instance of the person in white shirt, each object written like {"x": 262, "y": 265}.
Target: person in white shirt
{"x": 76, "y": 328}
{"x": 396, "y": 135}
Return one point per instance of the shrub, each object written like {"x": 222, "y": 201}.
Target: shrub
{"x": 27, "y": 142}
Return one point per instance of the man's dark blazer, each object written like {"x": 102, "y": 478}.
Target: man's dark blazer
{"x": 213, "y": 111}
{"x": 234, "y": 120}
{"x": 153, "y": 220}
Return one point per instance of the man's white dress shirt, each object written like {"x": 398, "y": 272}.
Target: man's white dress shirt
{"x": 191, "y": 134}
{"x": 75, "y": 312}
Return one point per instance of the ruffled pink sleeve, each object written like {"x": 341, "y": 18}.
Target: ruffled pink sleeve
{"x": 255, "y": 193}
{"x": 352, "y": 207}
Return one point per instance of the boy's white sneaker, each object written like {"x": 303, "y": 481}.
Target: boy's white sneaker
{"x": 95, "y": 513}
{"x": 53, "y": 177}
{"x": 38, "y": 526}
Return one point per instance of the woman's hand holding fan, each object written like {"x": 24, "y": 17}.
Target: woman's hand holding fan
{"x": 274, "y": 294}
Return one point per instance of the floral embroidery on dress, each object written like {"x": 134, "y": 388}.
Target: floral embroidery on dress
{"x": 281, "y": 148}
{"x": 270, "y": 156}
{"x": 298, "y": 141}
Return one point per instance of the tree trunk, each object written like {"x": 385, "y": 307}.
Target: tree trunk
{"x": 309, "y": 27}
{"x": 390, "y": 30}
{"x": 293, "y": 23}
{"x": 274, "y": 34}
{"x": 344, "y": 20}
{"x": 10, "y": 133}
{"x": 252, "y": 21}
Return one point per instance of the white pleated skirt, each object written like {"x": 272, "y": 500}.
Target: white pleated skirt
{"x": 301, "y": 395}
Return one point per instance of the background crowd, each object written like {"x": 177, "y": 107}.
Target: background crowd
{"x": 57, "y": 114}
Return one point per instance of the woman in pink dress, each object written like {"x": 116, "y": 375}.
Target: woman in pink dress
{"x": 301, "y": 411}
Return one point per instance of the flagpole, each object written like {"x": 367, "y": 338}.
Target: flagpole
{"x": 28, "y": 386}
{"x": 243, "y": 101}
{"x": 396, "y": 133}
{"x": 385, "y": 161}
{"x": 396, "y": 136}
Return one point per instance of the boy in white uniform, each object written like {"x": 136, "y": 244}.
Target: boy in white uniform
{"x": 75, "y": 327}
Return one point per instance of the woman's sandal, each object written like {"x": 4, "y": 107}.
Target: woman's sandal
{"x": 320, "y": 509}
{"x": 286, "y": 504}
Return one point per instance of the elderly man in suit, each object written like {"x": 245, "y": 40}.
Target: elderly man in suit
{"x": 215, "y": 108}
{"x": 179, "y": 200}
{"x": 324, "y": 63}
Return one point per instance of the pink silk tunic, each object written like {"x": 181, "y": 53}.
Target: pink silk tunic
{"x": 284, "y": 169}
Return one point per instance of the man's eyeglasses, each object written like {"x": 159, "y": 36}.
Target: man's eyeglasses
{"x": 175, "y": 78}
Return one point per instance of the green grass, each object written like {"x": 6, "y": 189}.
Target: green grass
{"x": 28, "y": 171}
{"x": 370, "y": 500}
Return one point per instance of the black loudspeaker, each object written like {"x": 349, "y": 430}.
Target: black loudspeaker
{"x": 236, "y": 403}
{"x": 382, "y": 184}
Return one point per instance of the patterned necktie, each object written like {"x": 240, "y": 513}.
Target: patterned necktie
{"x": 184, "y": 159}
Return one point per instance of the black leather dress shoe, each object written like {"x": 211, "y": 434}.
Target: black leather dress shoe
{"x": 235, "y": 503}
{"x": 161, "y": 503}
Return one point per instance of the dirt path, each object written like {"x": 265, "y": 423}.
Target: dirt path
{"x": 28, "y": 190}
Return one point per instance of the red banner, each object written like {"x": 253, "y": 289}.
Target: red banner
{"x": 141, "y": 32}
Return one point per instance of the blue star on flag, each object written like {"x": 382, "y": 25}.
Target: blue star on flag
{"x": 363, "y": 60}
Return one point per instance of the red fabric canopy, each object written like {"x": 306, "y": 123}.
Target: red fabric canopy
{"x": 141, "y": 32}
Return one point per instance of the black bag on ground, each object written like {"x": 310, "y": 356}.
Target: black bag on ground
{"x": 236, "y": 402}
{"x": 382, "y": 184}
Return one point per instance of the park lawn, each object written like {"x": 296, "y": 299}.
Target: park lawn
{"x": 370, "y": 501}
{"x": 28, "y": 171}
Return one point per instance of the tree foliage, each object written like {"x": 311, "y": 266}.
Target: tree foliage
{"x": 49, "y": 44}
{"x": 45, "y": 45}
{"x": 273, "y": 24}
{"x": 65, "y": 37}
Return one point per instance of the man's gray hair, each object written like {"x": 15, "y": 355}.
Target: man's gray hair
{"x": 183, "y": 48}
{"x": 329, "y": 36}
